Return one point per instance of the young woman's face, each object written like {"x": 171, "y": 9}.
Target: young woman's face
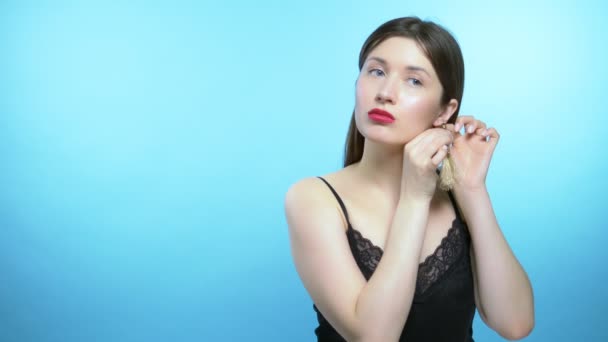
{"x": 398, "y": 78}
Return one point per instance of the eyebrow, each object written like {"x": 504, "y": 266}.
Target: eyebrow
{"x": 409, "y": 67}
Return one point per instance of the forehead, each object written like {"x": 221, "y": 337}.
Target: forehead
{"x": 401, "y": 52}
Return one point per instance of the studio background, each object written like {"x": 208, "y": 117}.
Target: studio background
{"x": 146, "y": 149}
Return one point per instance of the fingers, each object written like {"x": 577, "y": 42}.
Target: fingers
{"x": 434, "y": 137}
{"x": 471, "y": 126}
{"x": 439, "y": 156}
{"x": 434, "y": 140}
{"x": 432, "y": 147}
{"x": 451, "y": 127}
{"x": 493, "y": 137}
{"x": 475, "y": 129}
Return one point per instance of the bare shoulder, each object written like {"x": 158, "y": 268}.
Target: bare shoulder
{"x": 303, "y": 190}
{"x": 305, "y": 194}
{"x": 307, "y": 199}
{"x": 312, "y": 193}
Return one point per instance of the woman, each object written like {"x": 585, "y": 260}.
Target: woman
{"x": 384, "y": 252}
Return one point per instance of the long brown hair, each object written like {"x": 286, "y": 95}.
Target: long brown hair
{"x": 440, "y": 48}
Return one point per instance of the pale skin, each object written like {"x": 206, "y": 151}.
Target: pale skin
{"x": 393, "y": 199}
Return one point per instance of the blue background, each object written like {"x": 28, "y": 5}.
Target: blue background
{"x": 146, "y": 150}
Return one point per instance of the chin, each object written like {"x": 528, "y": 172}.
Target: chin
{"x": 383, "y": 136}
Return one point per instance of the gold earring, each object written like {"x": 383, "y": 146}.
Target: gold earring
{"x": 443, "y": 125}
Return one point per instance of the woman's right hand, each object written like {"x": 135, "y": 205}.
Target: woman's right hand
{"x": 421, "y": 157}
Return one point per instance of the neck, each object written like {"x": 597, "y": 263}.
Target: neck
{"x": 381, "y": 166}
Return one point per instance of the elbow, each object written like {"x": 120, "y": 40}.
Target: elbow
{"x": 519, "y": 329}
{"x": 374, "y": 337}
{"x": 375, "y": 333}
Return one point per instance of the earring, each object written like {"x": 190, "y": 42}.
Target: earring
{"x": 443, "y": 125}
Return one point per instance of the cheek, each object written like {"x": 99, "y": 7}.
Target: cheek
{"x": 362, "y": 97}
{"x": 420, "y": 107}
{"x": 361, "y": 92}
{"x": 362, "y": 101}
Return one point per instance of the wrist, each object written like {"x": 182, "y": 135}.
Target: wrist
{"x": 471, "y": 190}
{"x": 470, "y": 196}
{"x": 413, "y": 199}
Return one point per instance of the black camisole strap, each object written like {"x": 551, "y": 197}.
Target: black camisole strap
{"x": 338, "y": 198}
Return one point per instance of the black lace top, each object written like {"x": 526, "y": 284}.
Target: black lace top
{"x": 443, "y": 307}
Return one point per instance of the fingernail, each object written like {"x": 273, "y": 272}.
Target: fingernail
{"x": 471, "y": 129}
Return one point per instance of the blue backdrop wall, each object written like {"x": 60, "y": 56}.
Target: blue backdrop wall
{"x": 146, "y": 149}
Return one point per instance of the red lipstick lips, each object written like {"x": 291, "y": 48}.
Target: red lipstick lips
{"x": 381, "y": 116}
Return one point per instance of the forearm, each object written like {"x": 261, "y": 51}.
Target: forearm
{"x": 504, "y": 290}
{"x": 384, "y": 303}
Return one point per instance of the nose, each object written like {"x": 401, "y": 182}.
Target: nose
{"x": 387, "y": 93}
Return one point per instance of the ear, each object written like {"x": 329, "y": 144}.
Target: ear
{"x": 446, "y": 113}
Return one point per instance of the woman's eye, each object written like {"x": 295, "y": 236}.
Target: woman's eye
{"x": 414, "y": 81}
{"x": 376, "y": 72}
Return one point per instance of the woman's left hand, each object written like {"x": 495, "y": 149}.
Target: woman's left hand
{"x": 472, "y": 151}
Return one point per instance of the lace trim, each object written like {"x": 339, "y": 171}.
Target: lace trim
{"x": 441, "y": 261}
{"x": 365, "y": 252}
{"x": 368, "y": 255}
